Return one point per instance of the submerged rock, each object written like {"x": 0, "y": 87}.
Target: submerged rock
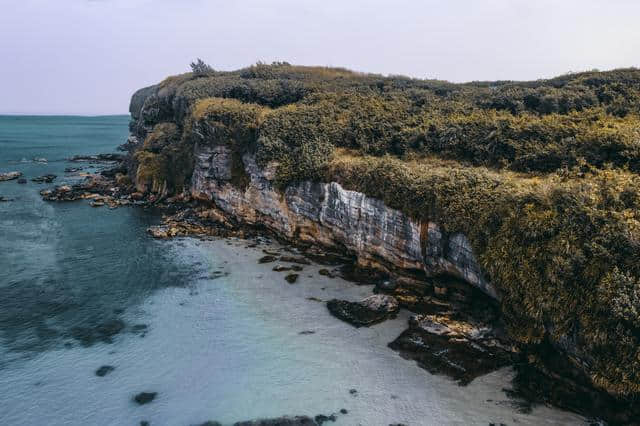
{"x": 295, "y": 259}
{"x": 292, "y": 278}
{"x": 280, "y": 421}
{"x": 145, "y": 397}
{"x": 4, "y": 200}
{"x": 326, "y": 273}
{"x": 267, "y": 259}
{"x": 281, "y": 268}
{"x": 9, "y": 176}
{"x": 103, "y": 332}
{"x": 372, "y": 310}
{"x": 44, "y": 178}
{"x": 98, "y": 158}
{"x": 104, "y": 370}
{"x": 321, "y": 418}
{"x": 22, "y": 181}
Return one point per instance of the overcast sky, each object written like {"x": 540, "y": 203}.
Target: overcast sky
{"x": 89, "y": 56}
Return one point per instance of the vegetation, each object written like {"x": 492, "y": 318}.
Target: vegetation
{"x": 199, "y": 67}
{"x": 543, "y": 177}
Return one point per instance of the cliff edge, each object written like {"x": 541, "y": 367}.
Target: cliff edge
{"x": 526, "y": 191}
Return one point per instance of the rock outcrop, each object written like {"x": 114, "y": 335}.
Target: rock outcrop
{"x": 9, "y": 176}
{"x": 331, "y": 216}
{"x": 367, "y": 312}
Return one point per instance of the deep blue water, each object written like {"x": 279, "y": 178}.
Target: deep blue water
{"x": 216, "y": 334}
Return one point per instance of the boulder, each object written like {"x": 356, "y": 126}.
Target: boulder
{"x": 104, "y": 370}
{"x": 145, "y": 397}
{"x": 9, "y": 176}
{"x": 44, "y": 178}
{"x": 372, "y": 310}
{"x": 280, "y": 421}
{"x": 291, "y": 278}
{"x": 267, "y": 259}
{"x": 460, "y": 349}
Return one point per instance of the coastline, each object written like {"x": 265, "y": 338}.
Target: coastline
{"x": 179, "y": 357}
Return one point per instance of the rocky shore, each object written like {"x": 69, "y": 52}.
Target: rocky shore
{"x": 207, "y": 179}
{"x": 456, "y": 330}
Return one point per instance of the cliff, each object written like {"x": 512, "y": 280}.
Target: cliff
{"x": 525, "y": 191}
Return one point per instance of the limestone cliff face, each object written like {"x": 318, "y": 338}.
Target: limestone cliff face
{"x": 327, "y": 214}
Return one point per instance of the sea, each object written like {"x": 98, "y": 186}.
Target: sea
{"x": 199, "y": 323}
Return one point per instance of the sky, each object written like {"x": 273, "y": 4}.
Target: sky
{"x": 88, "y": 56}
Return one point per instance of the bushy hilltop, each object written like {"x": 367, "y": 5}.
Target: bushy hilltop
{"x": 541, "y": 176}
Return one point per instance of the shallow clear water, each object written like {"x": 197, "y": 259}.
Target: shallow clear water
{"x": 222, "y": 338}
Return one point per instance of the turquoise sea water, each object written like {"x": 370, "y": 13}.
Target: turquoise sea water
{"x": 216, "y": 335}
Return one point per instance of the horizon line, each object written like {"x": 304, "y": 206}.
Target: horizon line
{"x": 46, "y": 114}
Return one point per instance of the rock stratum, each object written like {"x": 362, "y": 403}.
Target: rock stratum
{"x": 524, "y": 193}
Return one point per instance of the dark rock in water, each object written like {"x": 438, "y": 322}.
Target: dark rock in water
{"x": 44, "y": 178}
{"x": 281, "y": 268}
{"x": 100, "y": 158}
{"x": 145, "y": 397}
{"x": 461, "y": 350}
{"x": 22, "y": 181}
{"x": 294, "y": 259}
{"x": 103, "y": 332}
{"x": 4, "y": 200}
{"x": 291, "y": 278}
{"x": 267, "y": 259}
{"x": 9, "y": 176}
{"x": 280, "y": 421}
{"x": 369, "y": 311}
{"x": 144, "y": 423}
{"x": 305, "y": 332}
{"x": 326, "y": 273}
{"x": 211, "y": 423}
{"x": 112, "y": 172}
{"x": 72, "y": 169}
{"x": 104, "y": 370}
{"x": 321, "y": 418}
{"x": 343, "y": 411}
{"x": 353, "y": 391}
{"x": 110, "y": 328}
{"x": 139, "y": 328}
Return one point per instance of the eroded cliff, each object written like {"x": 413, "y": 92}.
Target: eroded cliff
{"x": 552, "y": 250}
